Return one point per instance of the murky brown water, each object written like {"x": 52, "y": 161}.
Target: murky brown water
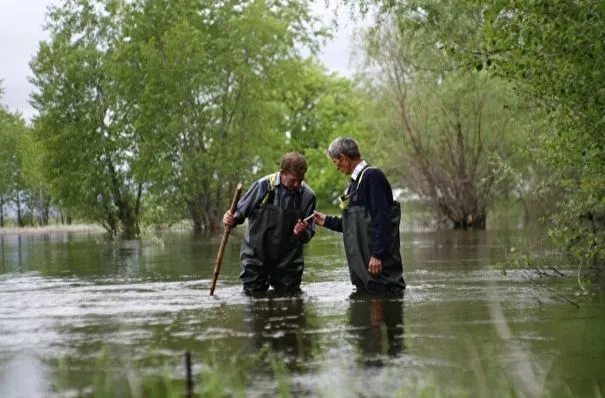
{"x": 463, "y": 327}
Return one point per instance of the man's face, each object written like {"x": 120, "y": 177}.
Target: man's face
{"x": 291, "y": 181}
{"x": 343, "y": 164}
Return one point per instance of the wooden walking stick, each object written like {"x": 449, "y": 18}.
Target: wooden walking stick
{"x": 221, "y": 249}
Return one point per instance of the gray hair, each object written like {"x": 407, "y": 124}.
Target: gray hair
{"x": 344, "y": 146}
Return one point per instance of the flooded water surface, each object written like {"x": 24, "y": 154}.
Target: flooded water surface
{"x": 73, "y": 304}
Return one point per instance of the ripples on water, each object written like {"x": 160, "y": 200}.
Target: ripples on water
{"x": 65, "y": 299}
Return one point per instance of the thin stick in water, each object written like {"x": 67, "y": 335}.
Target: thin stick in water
{"x": 189, "y": 392}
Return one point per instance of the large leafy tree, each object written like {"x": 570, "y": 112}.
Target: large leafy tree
{"x": 206, "y": 83}
{"x": 90, "y": 147}
{"x": 553, "y": 51}
{"x": 39, "y": 198}
{"x": 23, "y": 187}
{"x": 13, "y": 190}
{"x": 446, "y": 130}
{"x": 162, "y": 106}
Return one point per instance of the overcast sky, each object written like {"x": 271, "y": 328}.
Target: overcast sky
{"x": 21, "y": 30}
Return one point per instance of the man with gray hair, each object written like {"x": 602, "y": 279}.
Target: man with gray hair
{"x": 369, "y": 222}
{"x": 276, "y": 207}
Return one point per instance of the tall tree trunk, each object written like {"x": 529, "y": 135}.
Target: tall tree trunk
{"x": 128, "y": 212}
{"x": 196, "y": 216}
{"x": 205, "y": 215}
{"x": 128, "y": 217}
{"x": 62, "y": 216}
{"x": 45, "y": 216}
{"x": 19, "y": 215}
{"x": 43, "y": 207}
{"x": 130, "y": 223}
{"x": 1, "y": 211}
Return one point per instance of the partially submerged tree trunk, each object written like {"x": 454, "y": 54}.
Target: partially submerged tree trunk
{"x": 196, "y": 216}
{"x": 123, "y": 209}
{"x": 206, "y": 211}
{"x": 477, "y": 221}
{"x": 1, "y": 211}
{"x": 43, "y": 207}
{"x": 450, "y": 171}
{"x": 20, "y": 221}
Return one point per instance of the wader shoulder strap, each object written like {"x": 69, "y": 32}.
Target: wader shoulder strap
{"x": 344, "y": 199}
{"x": 268, "y": 198}
{"x": 361, "y": 176}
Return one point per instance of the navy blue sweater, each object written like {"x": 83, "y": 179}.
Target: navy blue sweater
{"x": 376, "y": 196}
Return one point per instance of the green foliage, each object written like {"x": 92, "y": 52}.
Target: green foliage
{"x": 9, "y": 160}
{"x": 15, "y": 166}
{"x": 213, "y": 79}
{"x": 553, "y": 52}
{"x": 447, "y": 133}
{"x": 155, "y": 376}
{"x": 115, "y": 375}
{"x": 319, "y": 108}
{"x": 34, "y": 180}
{"x": 88, "y": 143}
{"x": 153, "y": 110}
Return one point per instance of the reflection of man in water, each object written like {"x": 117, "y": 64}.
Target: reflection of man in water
{"x": 378, "y": 324}
{"x": 279, "y": 321}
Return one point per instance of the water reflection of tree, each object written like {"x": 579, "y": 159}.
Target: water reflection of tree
{"x": 377, "y": 326}
{"x": 280, "y": 322}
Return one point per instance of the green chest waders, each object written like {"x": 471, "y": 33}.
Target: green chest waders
{"x": 357, "y": 236}
{"x": 271, "y": 254}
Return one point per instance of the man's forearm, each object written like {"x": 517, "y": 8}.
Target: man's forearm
{"x": 333, "y": 223}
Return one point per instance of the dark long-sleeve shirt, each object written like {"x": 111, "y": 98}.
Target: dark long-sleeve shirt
{"x": 376, "y": 196}
{"x": 283, "y": 198}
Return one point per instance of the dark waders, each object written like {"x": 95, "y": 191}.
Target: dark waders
{"x": 271, "y": 254}
{"x": 357, "y": 235}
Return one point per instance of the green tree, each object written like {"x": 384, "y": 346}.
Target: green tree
{"x": 13, "y": 191}
{"x": 89, "y": 146}
{"x": 162, "y": 106}
{"x": 553, "y": 51}
{"x": 448, "y": 129}
{"x": 318, "y": 108}
{"x": 39, "y": 196}
{"x": 205, "y": 84}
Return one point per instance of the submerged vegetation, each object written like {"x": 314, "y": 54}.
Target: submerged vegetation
{"x": 266, "y": 373}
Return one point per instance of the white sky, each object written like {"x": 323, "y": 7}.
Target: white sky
{"x": 21, "y": 30}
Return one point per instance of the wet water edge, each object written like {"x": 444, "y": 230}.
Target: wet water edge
{"x": 66, "y": 299}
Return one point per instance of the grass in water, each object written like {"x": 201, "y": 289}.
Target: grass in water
{"x": 267, "y": 373}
